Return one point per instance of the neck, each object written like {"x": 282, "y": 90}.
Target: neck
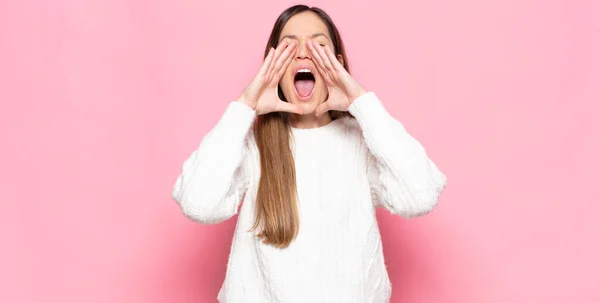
{"x": 309, "y": 120}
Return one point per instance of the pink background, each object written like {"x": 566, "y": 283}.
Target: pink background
{"x": 102, "y": 101}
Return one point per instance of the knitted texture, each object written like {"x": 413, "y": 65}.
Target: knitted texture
{"x": 344, "y": 170}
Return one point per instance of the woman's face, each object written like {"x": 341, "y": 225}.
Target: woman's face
{"x": 302, "y": 84}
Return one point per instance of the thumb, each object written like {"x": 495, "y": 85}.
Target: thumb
{"x": 322, "y": 108}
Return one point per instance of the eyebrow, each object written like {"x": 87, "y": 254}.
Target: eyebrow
{"x": 295, "y": 37}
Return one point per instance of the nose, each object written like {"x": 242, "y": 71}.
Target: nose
{"x": 302, "y": 51}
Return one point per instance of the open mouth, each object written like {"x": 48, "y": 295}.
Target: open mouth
{"x": 304, "y": 83}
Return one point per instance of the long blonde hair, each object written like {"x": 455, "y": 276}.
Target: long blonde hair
{"x": 276, "y": 200}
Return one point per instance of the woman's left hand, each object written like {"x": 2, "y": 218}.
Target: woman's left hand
{"x": 343, "y": 89}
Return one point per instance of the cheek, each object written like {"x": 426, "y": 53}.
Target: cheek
{"x": 321, "y": 86}
{"x": 286, "y": 81}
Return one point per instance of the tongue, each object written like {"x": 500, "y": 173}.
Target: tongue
{"x": 304, "y": 87}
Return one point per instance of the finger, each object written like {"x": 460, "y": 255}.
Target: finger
{"x": 322, "y": 108}
{"x": 281, "y": 60}
{"x": 326, "y": 62}
{"x": 283, "y": 106}
{"x": 320, "y": 65}
{"x": 315, "y": 54}
{"x": 323, "y": 73}
{"x": 337, "y": 65}
{"x": 287, "y": 56}
{"x": 265, "y": 66}
{"x": 283, "y": 69}
{"x": 280, "y": 48}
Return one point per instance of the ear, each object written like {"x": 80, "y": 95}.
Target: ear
{"x": 340, "y": 58}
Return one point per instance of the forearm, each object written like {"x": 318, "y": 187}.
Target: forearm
{"x": 411, "y": 182}
{"x": 211, "y": 178}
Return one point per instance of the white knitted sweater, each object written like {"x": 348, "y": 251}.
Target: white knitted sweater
{"x": 344, "y": 170}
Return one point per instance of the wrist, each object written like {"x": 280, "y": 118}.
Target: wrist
{"x": 246, "y": 102}
{"x": 356, "y": 94}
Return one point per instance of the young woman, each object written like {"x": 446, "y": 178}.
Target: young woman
{"x": 311, "y": 154}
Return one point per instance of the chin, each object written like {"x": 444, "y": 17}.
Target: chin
{"x": 309, "y": 105}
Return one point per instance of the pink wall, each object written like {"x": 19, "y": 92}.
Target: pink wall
{"x": 103, "y": 100}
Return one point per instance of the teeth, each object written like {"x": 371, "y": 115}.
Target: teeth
{"x": 304, "y": 70}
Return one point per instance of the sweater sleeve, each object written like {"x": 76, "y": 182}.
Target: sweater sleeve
{"x": 213, "y": 179}
{"x": 403, "y": 179}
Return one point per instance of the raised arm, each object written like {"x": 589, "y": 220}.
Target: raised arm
{"x": 213, "y": 179}
{"x": 403, "y": 179}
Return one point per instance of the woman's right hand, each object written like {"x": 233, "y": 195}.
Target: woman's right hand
{"x": 261, "y": 94}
